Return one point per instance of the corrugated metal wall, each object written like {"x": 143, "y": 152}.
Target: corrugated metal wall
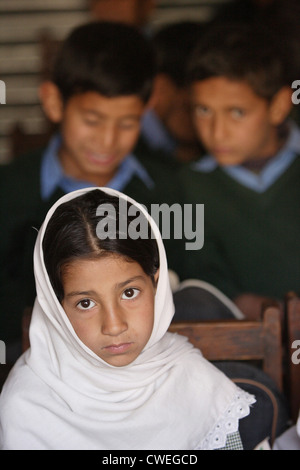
{"x": 21, "y": 24}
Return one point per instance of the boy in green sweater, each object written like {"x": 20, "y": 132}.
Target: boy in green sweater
{"x": 102, "y": 81}
{"x": 249, "y": 179}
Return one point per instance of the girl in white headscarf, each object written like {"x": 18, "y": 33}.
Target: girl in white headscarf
{"x": 102, "y": 371}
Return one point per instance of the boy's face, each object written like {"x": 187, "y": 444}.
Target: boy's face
{"x": 98, "y": 132}
{"x": 233, "y": 123}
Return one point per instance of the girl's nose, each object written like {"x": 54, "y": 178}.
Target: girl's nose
{"x": 114, "y": 322}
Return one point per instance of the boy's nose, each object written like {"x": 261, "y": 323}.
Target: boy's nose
{"x": 107, "y": 138}
{"x": 218, "y": 129}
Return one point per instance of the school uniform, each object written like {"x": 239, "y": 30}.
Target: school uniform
{"x": 156, "y": 135}
{"x": 252, "y": 224}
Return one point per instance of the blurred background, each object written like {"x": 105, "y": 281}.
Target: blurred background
{"x": 29, "y": 30}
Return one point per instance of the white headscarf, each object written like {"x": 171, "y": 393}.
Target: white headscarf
{"x": 61, "y": 395}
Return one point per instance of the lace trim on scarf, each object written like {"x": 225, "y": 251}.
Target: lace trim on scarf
{"x": 229, "y": 421}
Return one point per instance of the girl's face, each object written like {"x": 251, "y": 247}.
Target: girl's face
{"x": 110, "y": 304}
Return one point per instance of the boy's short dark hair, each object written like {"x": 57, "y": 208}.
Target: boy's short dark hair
{"x": 243, "y": 53}
{"x": 112, "y": 59}
{"x": 173, "y": 44}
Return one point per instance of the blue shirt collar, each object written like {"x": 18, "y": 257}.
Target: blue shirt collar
{"x": 155, "y": 134}
{"x": 53, "y": 177}
{"x": 270, "y": 173}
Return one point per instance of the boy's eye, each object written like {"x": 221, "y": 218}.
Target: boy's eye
{"x": 86, "y": 304}
{"x": 237, "y": 113}
{"x": 201, "y": 111}
{"x": 91, "y": 122}
{"x": 129, "y": 125}
{"x": 130, "y": 293}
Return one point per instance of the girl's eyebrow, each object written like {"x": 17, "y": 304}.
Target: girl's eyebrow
{"x": 87, "y": 293}
{"x": 129, "y": 281}
{"x": 92, "y": 293}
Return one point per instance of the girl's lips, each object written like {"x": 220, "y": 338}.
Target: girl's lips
{"x": 118, "y": 348}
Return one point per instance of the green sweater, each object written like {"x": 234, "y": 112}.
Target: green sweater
{"x": 21, "y": 213}
{"x": 252, "y": 240}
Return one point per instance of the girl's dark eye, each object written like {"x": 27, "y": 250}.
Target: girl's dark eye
{"x": 86, "y": 304}
{"x": 130, "y": 293}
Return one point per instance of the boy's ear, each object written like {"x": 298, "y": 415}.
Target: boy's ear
{"x": 281, "y": 106}
{"x": 51, "y": 101}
